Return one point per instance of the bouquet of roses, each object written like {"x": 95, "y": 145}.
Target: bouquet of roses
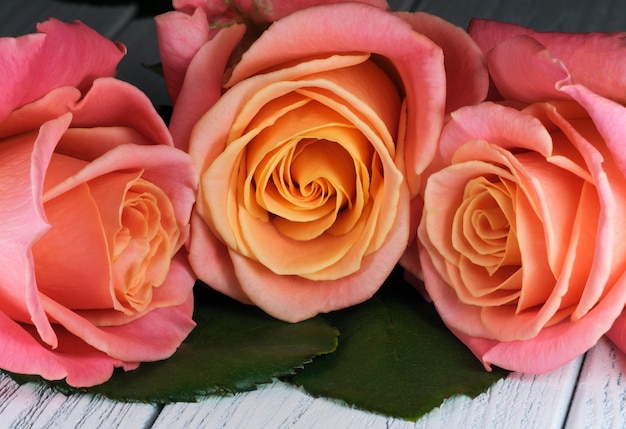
{"x": 316, "y": 151}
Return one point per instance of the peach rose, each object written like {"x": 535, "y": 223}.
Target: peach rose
{"x": 95, "y": 206}
{"x": 299, "y": 131}
{"x": 522, "y": 228}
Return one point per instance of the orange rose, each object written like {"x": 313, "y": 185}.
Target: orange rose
{"x": 522, "y": 249}
{"x": 303, "y": 205}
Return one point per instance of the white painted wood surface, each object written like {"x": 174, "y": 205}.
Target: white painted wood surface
{"x": 589, "y": 392}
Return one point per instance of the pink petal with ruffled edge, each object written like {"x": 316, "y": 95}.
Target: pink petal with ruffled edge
{"x": 76, "y": 361}
{"x": 203, "y": 83}
{"x": 585, "y": 55}
{"x": 24, "y": 221}
{"x": 152, "y": 337}
{"x": 467, "y": 80}
{"x": 33, "y": 64}
{"x": 523, "y": 69}
{"x": 180, "y": 37}
{"x": 116, "y": 104}
{"x": 608, "y": 116}
{"x": 184, "y": 33}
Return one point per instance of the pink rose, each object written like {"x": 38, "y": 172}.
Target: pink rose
{"x": 300, "y": 131}
{"x": 95, "y": 206}
{"x": 522, "y": 248}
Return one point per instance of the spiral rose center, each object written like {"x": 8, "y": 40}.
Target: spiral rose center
{"x": 485, "y": 231}
{"x": 144, "y": 244}
{"x": 308, "y": 183}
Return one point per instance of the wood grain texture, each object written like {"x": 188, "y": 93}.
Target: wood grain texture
{"x": 600, "y": 398}
{"x": 37, "y": 406}
{"x": 539, "y": 401}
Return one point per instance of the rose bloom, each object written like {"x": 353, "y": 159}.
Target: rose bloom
{"x": 300, "y": 131}
{"x": 95, "y": 206}
{"x": 523, "y": 222}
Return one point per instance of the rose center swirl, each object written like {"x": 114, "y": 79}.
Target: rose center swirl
{"x": 313, "y": 181}
{"x": 484, "y": 232}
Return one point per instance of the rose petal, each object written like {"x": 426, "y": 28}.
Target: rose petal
{"x": 180, "y": 37}
{"x": 115, "y": 103}
{"x": 62, "y": 275}
{"x": 80, "y": 364}
{"x": 467, "y": 80}
{"x": 558, "y": 344}
{"x": 203, "y": 76}
{"x": 154, "y": 336}
{"x": 168, "y": 168}
{"x": 523, "y": 69}
{"x": 25, "y": 166}
{"x": 252, "y": 10}
{"x": 583, "y": 54}
{"x": 33, "y": 64}
{"x": 211, "y": 261}
{"x": 607, "y": 116}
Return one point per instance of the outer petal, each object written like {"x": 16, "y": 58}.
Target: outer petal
{"x": 467, "y": 80}
{"x": 586, "y": 55}
{"x": 74, "y": 360}
{"x": 203, "y": 83}
{"x": 153, "y": 336}
{"x": 114, "y": 103}
{"x": 23, "y": 173}
{"x": 523, "y": 69}
{"x": 608, "y": 116}
{"x": 180, "y": 37}
{"x": 211, "y": 260}
{"x": 553, "y": 347}
{"x": 32, "y": 65}
{"x": 111, "y": 108}
{"x": 294, "y": 299}
{"x": 347, "y": 28}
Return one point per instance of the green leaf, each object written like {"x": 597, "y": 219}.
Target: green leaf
{"x": 234, "y": 348}
{"x": 395, "y": 357}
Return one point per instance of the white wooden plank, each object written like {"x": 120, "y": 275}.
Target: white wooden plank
{"x": 20, "y": 17}
{"x": 517, "y": 401}
{"x": 36, "y": 406}
{"x": 600, "y": 397}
